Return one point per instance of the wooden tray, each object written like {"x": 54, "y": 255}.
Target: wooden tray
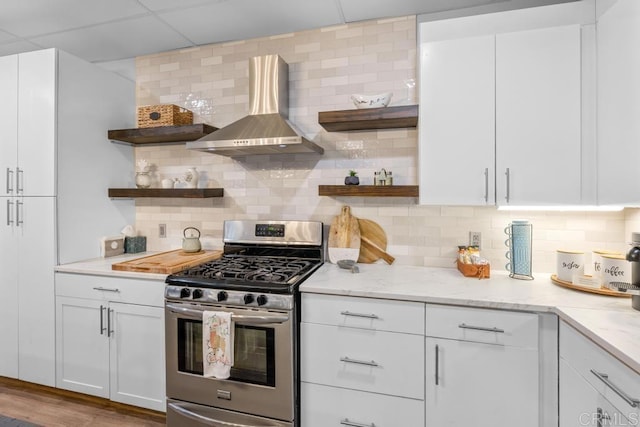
{"x": 167, "y": 262}
{"x": 601, "y": 291}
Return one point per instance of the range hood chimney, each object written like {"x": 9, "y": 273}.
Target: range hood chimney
{"x": 266, "y": 130}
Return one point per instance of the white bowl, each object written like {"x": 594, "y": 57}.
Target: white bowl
{"x": 371, "y": 101}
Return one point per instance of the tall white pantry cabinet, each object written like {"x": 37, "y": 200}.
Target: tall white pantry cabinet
{"x": 56, "y": 165}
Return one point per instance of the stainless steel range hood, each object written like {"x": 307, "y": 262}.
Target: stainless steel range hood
{"x": 266, "y": 130}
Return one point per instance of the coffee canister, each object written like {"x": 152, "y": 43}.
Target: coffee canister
{"x": 519, "y": 253}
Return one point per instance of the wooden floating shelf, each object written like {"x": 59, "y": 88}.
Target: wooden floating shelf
{"x": 161, "y": 134}
{"x": 405, "y": 116}
{"x": 183, "y": 193}
{"x": 369, "y": 190}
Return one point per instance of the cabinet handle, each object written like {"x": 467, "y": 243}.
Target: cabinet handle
{"x": 9, "y": 209}
{"x": 109, "y": 330}
{"x": 358, "y": 362}
{"x": 486, "y": 185}
{"x": 368, "y": 316}
{"x": 508, "y": 174}
{"x": 18, "y": 220}
{"x": 631, "y": 401}
{"x": 102, "y": 328}
{"x": 19, "y": 182}
{"x": 346, "y": 422}
{"x": 480, "y": 328}
{"x": 437, "y": 365}
{"x": 9, "y": 181}
{"x": 100, "y": 288}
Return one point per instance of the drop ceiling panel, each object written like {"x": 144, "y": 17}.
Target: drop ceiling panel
{"x": 359, "y": 10}
{"x": 117, "y": 40}
{"x": 229, "y": 20}
{"x": 26, "y": 18}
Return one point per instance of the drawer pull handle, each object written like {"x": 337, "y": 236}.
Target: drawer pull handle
{"x": 346, "y": 422}
{"x": 437, "y": 364}
{"x": 359, "y": 362}
{"x": 368, "y": 316}
{"x": 100, "y": 288}
{"x": 631, "y": 401}
{"x": 480, "y": 328}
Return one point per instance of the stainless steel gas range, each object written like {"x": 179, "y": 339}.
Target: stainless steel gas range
{"x": 256, "y": 280}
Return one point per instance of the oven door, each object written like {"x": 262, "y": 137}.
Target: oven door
{"x": 262, "y": 377}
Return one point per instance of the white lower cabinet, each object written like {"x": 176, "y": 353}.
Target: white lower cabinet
{"x": 371, "y": 374}
{"x": 109, "y": 343}
{"x": 325, "y": 406}
{"x": 596, "y": 389}
{"x": 482, "y": 368}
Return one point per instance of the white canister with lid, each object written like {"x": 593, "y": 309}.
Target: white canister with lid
{"x": 615, "y": 268}
{"x": 569, "y": 264}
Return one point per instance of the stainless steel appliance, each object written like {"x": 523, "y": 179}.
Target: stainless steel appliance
{"x": 257, "y": 280}
{"x": 633, "y": 288}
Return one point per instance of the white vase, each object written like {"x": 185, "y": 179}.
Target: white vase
{"x": 191, "y": 178}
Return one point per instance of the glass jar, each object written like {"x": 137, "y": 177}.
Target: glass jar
{"x": 143, "y": 180}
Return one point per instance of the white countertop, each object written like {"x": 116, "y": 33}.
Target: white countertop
{"x": 102, "y": 267}
{"x": 608, "y": 321}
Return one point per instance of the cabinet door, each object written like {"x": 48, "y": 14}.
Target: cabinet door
{"x": 505, "y": 385}
{"x": 582, "y": 405}
{"x": 618, "y": 38}
{"x": 137, "y": 355}
{"x": 457, "y": 121}
{"x": 37, "y": 122}
{"x": 35, "y": 225}
{"x": 8, "y": 123}
{"x": 8, "y": 289}
{"x": 82, "y": 346}
{"x": 538, "y": 104}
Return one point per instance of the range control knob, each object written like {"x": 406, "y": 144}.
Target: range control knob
{"x": 185, "y": 293}
{"x": 248, "y": 298}
{"x": 261, "y": 300}
{"x": 197, "y": 293}
{"x": 222, "y": 296}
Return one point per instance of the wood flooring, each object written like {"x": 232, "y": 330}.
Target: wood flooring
{"x": 51, "y": 407}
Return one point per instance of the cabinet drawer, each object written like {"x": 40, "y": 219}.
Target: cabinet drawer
{"x": 118, "y": 289}
{"x": 366, "y": 313}
{"x": 615, "y": 381}
{"x": 362, "y": 359}
{"x": 482, "y": 325}
{"x": 324, "y": 406}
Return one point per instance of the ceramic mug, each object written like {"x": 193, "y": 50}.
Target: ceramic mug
{"x": 167, "y": 183}
{"x": 615, "y": 268}
{"x": 569, "y": 263}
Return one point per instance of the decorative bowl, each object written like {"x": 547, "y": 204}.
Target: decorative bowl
{"x": 371, "y": 101}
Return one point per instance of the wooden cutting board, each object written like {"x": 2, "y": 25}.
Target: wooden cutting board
{"x": 344, "y": 237}
{"x": 373, "y": 243}
{"x": 167, "y": 262}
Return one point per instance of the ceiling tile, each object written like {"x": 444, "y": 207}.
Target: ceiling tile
{"x": 229, "y": 20}
{"x": 26, "y": 18}
{"x": 157, "y": 5}
{"x": 360, "y": 10}
{"x": 117, "y": 40}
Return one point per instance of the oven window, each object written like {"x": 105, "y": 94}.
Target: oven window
{"x": 253, "y": 352}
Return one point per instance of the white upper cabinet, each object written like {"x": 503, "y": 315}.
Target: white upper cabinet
{"x": 538, "y": 142}
{"x": 618, "y": 37}
{"x": 501, "y": 107}
{"x": 8, "y": 124}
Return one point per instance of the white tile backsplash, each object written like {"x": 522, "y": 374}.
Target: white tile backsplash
{"x": 326, "y": 66}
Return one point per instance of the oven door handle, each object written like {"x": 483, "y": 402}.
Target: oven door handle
{"x": 196, "y": 313}
{"x": 201, "y": 419}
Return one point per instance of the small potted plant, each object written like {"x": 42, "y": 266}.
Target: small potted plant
{"x": 352, "y": 179}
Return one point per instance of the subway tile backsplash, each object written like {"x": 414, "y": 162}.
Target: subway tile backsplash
{"x": 326, "y": 66}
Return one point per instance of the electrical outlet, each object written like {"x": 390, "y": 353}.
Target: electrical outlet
{"x": 475, "y": 238}
{"x": 162, "y": 231}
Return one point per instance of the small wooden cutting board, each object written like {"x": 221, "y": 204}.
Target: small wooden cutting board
{"x": 344, "y": 237}
{"x": 167, "y": 262}
{"x": 373, "y": 243}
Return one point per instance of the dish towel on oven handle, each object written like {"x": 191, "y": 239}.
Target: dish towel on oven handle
{"x": 217, "y": 344}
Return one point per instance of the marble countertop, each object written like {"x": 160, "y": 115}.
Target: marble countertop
{"x": 607, "y": 320}
{"x": 102, "y": 267}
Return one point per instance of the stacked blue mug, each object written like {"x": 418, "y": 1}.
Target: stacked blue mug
{"x": 519, "y": 253}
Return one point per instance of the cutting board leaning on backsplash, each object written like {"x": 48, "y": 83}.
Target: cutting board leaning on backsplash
{"x": 344, "y": 237}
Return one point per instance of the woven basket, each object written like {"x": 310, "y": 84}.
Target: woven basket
{"x": 480, "y": 271}
{"x": 150, "y": 116}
